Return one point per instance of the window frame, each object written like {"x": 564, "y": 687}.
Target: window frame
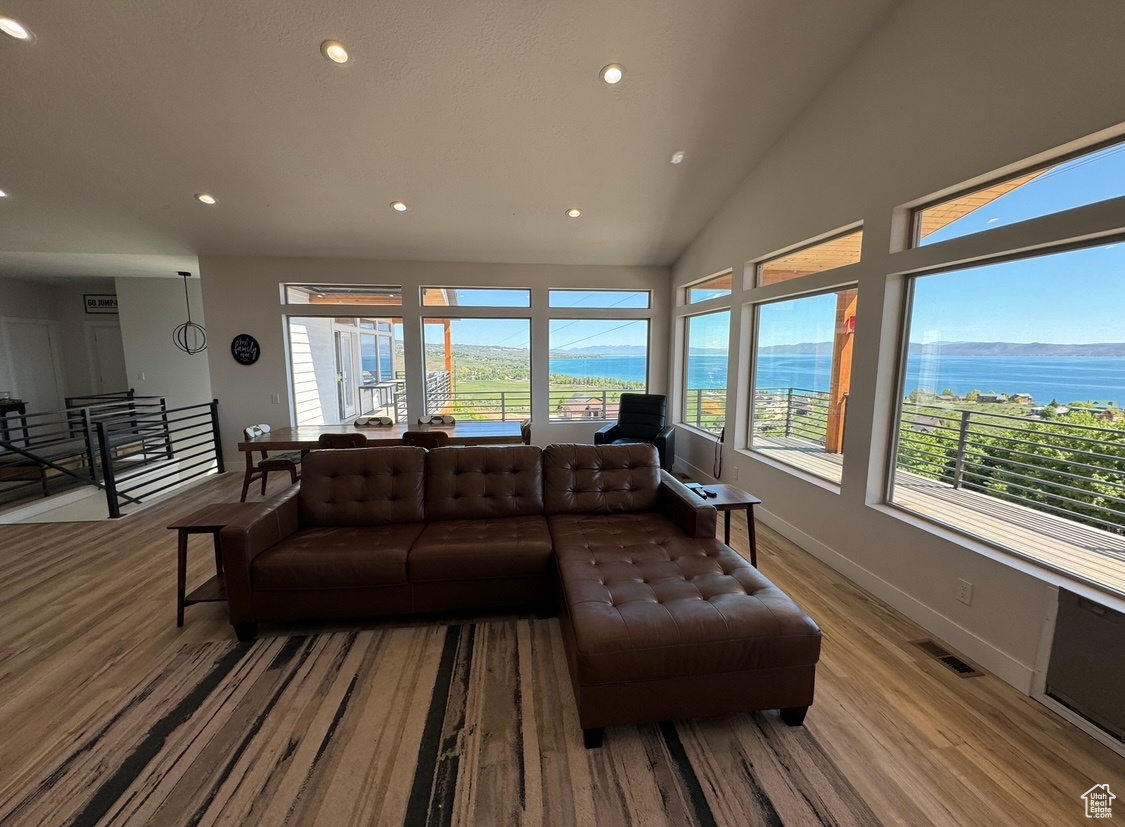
{"x": 426, "y": 307}
{"x": 756, "y": 265}
{"x": 694, "y": 285}
{"x": 916, "y": 210}
{"x": 425, "y": 319}
{"x": 596, "y": 307}
{"x": 286, "y": 286}
{"x": 681, "y": 417}
{"x": 755, "y": 307}
{"x": 646, "y": 319}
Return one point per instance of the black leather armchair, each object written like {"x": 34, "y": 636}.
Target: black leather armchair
{"x": 642, "y": 417}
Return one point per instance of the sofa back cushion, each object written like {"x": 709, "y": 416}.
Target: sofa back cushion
{"x": 641, "y": 415}
{"x": 484, "y": 482}
{"x": 362, "y": 487}
{"x": 600, "y": 479}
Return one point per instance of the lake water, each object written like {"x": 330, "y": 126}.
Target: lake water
{"x": 1064, "y": 379}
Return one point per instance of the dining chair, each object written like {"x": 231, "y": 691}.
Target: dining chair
{"x": 262, "y": 468}
{"x": 525, "y": 431}
{"x": 425, "y": 439}
{"x": 342, "y": 441}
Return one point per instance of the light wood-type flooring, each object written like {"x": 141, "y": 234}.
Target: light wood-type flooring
{"x": 87, "y": 609}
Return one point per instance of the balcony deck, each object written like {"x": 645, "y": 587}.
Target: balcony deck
{"x": 1088, "y": 553}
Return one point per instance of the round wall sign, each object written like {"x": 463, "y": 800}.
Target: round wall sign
{"x": 244, "y": 348}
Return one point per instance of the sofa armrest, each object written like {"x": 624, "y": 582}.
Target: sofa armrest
{"x": 666, "y": 444}
{"x": 691, "y": 514}
{"x": 605, "y": 434}
{"x": 248, "y": 536}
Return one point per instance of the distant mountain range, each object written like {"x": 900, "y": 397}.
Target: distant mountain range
{"x": 994, "y": 349}
{"x": 594, "y": 351}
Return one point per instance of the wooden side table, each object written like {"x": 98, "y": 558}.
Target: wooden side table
{"x": 728, "y": 499}
{"x": 211, "y": 520}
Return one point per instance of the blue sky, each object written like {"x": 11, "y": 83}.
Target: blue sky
{"x": 1066, "y": 298}
{"x": 565, "y": 334}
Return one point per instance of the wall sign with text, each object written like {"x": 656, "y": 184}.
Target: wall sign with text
{"x": 100, "y": 303}
{"x": 244, "y": 348}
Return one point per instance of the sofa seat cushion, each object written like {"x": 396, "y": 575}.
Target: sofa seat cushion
{"x": 336, "y": 558}
{"x": 482, "y": 549}
{"x": 675, "y": 607}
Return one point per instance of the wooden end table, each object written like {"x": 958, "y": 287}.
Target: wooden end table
{"x": 211, "y": 520}
{"x": 728, "y": 499}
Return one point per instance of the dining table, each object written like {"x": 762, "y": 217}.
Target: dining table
{"x": 307, "y": 437}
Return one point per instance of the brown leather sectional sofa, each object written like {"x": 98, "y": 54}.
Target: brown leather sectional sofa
{"x": 660, "y": 620}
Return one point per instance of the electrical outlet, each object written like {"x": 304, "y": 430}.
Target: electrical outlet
{"x": 734, "y": 473}
{"x": 275, "y": 398}
{"x": 965, "y": 592}
{"x": 141, "y": 377}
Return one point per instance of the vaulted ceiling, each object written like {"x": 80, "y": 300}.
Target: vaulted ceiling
{"x": 487, "y": 117}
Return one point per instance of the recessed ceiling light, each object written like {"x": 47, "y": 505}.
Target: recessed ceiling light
{"x": 678, "y": 157}
{"x": 613, "y": 73}
{"x": 205, "y": 198}
{"x": 3, "y": 194}
{"x": 14, "y": 28}
{"x": 399, "y": 206}
{"x": 574, "y": 212}
{"x": 335, "y": 51}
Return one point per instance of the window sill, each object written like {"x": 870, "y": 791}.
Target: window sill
{"x": 828, "y": 485}
{"x": 1106, "y": 587}
{"x": 695, "y": 430}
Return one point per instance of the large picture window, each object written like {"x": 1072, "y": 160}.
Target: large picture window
{"x": 802, "y": 380}
{"x": 346, "y": 367}
{"x": 1011, "y": 425}
{"x": 705, "y": 371}
{"x": 478, "y": 368}
{"x": 592, "y": 361}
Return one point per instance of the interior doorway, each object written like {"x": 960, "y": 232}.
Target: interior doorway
{"x": 106, "y": 357}
{"x": 345, "y": 377}
{"x": 34, "y": 369}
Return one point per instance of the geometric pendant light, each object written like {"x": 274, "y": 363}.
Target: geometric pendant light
{"x": 189, "y": 337}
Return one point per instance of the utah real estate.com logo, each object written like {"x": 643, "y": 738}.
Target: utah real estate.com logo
{"x": 1099, "y": 801}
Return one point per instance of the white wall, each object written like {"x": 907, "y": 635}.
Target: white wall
{"x": 62, "y": 304}
{"x": 150, "y": 309}
{"x": 242, "y": 295}
{"x": 943, "y": 93}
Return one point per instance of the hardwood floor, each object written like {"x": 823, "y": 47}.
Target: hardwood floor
{"x": 87, "y": 609}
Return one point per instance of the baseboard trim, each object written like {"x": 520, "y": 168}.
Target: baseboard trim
{"x": 1086, "y": 726}
{"x": 968, "y": 643}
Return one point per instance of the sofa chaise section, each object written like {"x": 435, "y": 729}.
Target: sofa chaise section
{"x": 661, "y": 620}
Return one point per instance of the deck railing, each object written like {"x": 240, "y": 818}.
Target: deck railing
{"x": 791, "y": 412}
{"x": 706, "y": 408}
{"x": 504, "y": 406}
{"x": 1071, "y": 470}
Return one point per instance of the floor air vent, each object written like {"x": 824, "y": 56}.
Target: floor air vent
{"x": 938, "y": 652}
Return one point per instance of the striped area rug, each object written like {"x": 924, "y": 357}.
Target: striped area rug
{"x": 416, "y": 725}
